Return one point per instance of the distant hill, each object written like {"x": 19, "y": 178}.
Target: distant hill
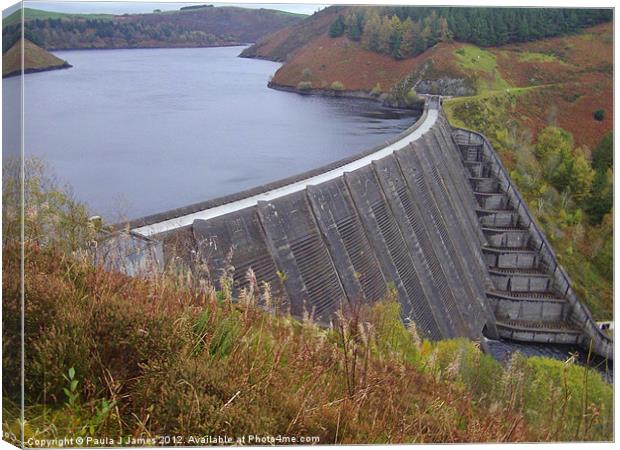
{"x": 195, "y": 27}
{"x": 36, "y": 59}
{"x": 279, "y": 46}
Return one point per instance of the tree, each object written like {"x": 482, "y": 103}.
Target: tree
{"x": 337, "y": 27}
{"x": 407, "y": 43}
{"x": 567, "y": 170}
{"x": 372, "y": 29}
{"x": 395, "y": 37}
{"x": 523, "y": 30}
{"x": 337, "y": 86}
{"x": 306, "y": 74}
{"x": 385, "y": 36}
{"x": 444, "y": 30}
{"x": 553, "y": 140}
{"x": 599, "y": 114}
{"x": 603, "y": 154}
{"x": 353, "y": 25}
{"x": 429, "y": 34}
{"x": 602, "y": 196}
{"x": 581, "y": 176}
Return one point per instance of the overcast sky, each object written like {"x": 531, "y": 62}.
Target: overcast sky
{"x": 112, "y": 7}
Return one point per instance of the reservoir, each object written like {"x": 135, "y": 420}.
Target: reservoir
{"x": 137, "y": 132}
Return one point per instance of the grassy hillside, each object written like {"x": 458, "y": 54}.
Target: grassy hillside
{"x": 32, "y": 14}
{"x": 202, "y": 27}
{"x": 116, "y": 357}
{"x": 569, "y": 78}
{"x": 35, "y": 59}
{"x": 328, "y": 60}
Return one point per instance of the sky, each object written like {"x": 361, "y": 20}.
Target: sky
{"x": 113, "y": 7}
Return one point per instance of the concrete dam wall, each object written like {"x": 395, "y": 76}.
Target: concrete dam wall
{"x": 432, "y": 214}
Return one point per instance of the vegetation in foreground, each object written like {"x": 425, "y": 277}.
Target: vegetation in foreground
{"x": 109, "y": 356}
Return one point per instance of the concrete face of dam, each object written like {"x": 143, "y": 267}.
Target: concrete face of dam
{"x": 431, "y": 214}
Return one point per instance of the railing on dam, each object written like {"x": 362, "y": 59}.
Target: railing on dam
{"x": 601, "y": 343}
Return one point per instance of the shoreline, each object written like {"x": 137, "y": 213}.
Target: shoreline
{"x": 172, "y": 47}
{"x": 15, "y": 73}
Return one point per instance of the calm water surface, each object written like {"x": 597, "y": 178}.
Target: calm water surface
{"x": 137, "y": 132}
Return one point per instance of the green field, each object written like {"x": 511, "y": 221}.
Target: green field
{"x": 32, "y": 14}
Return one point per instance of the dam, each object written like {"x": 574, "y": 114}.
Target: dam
{"x": 431, "y": 214}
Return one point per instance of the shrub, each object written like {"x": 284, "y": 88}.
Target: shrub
{"x": 412, "y": 97}
{"x": 51, "y": 215}
{"x": 337, "y": 86}
{"x": 306, "y": 74}
{"x": 197, "y": 365}
{"x": 599, "y": 114}
{"x": 304, "y": 85}
{"x": 603, "y": 154}
{"x": 376, "y": 91}
{"x": 562, "y": 397}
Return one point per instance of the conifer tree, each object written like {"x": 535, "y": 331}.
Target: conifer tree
{"x": 337, "y": 27}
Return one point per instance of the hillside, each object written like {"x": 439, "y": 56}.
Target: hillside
{"x": 574, "y": 62}
{"x": 579, "y": 68}
{"x": 198, "y": 27}
{"x": 31, "y": 14}
{"x": 279, "y": 46}
{"x": 36, "y": 59}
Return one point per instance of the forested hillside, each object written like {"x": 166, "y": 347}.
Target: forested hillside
{"x": 196, "y": 27}
{"x": 408, "y": 31}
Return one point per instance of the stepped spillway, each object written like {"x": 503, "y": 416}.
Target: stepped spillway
{"x": 532, "y": 298}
